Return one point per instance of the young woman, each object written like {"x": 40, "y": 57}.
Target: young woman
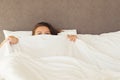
{"x": 40, "y": 29}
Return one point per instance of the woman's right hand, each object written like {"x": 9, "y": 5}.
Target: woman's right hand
{"x": 13, "y": 40}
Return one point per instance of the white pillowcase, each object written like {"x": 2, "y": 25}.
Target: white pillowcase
{"x": 20, "y": 34}
{"x": 68, "y": 32}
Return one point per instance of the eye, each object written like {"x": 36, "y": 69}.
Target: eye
{"x": 39, "y": 33}
{"x": 47, "y": 33}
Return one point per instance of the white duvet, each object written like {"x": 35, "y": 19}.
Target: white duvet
{"x": 91, "y": 57}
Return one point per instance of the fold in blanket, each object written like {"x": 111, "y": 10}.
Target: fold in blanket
{"x": 56, "y": 58}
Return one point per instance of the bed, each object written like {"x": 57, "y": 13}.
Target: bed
{"x": 91, "y": 57}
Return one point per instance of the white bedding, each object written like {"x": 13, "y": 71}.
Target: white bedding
{"x": 56, "y": 58}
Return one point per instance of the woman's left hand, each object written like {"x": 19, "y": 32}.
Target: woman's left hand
{"x": 72, "y": 37}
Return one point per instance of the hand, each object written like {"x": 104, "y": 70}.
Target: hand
{"x": 72, "y": 37}
{"x": 13, "y": 40}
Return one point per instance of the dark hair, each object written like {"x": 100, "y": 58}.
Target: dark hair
{"x": 53, "y": 31}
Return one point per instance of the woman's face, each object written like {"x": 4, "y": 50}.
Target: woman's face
{"x": 42, "y": 30}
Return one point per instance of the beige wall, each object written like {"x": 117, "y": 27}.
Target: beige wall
{"x": 87, "y": 16}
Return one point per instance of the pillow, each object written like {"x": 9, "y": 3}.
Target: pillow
{"x": 68, "y": 32}
{"x": 20, "y": 34}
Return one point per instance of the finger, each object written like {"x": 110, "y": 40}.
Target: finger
{"x": 73, "y": 39}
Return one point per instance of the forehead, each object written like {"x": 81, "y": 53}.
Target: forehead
{"x": 42, "y": 28}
